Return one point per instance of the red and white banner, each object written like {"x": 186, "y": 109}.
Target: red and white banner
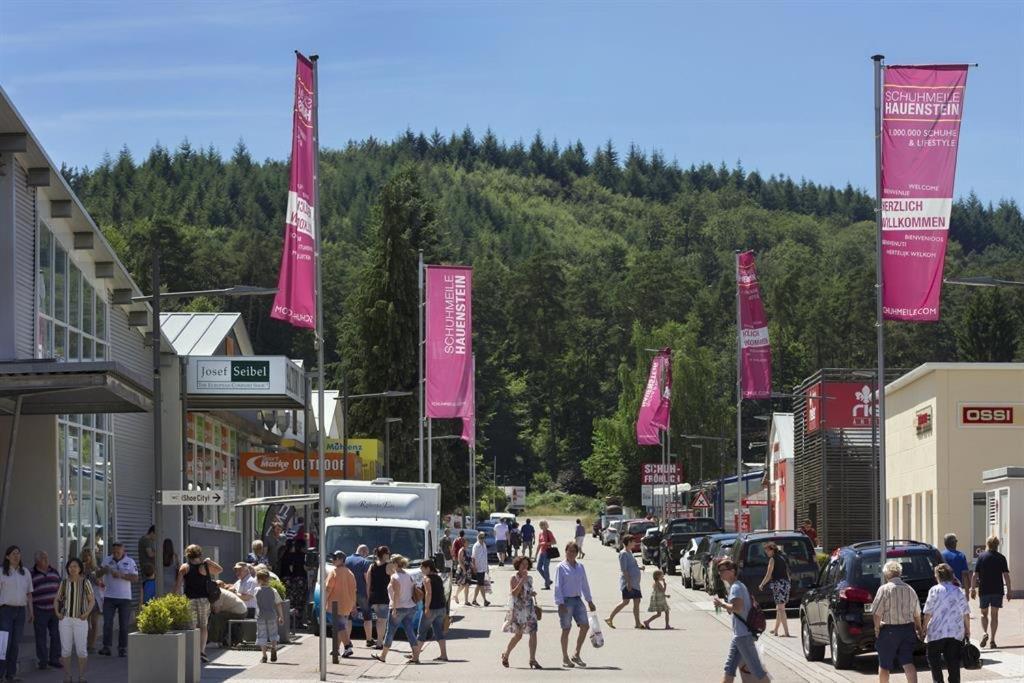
{"x": 449, "y": 343}
{"x": 295, "y": 301}
{"x": 755, "y": 351}
{"x": 656, "y": 403}
{"x": 921, "y": 111}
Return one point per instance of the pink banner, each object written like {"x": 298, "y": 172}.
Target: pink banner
{"x": 921, "y": 111}
{"x": 449, "y": 350}
{"x": 656, "y": 402}
{"x": 755, "y": 351}
{"x": 295, "y": 301}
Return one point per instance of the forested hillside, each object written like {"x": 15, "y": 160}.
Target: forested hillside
{"x": 581, "y": 262}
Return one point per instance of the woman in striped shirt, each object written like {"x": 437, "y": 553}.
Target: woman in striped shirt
{"x": 73, "y": 603}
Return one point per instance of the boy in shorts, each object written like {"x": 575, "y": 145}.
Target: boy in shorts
{"x": 269, "y": 615}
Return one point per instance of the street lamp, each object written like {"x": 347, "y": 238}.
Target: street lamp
{"x": 388, "y": 421}
{"x": 345, "y": 398}
{"x": 982, "y": 281}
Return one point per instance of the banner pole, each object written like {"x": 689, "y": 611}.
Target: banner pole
{"x": 430, "y": 450}
{"x": 422, "y": 342}
{"x": 739, "y": 390}
{"x": 879, "y": 319}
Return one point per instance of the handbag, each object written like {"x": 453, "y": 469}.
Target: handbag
{"x": 553, "y": 552}
{"x": 212, "y": 589}
{"x": 970, "y": 655}
{"x": 538, "y": 612}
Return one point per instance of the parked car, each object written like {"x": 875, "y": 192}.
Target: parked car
{"x": 635, "y": 528}
{"x": 685, "y": 558}
{"x": 702, "y": 559}
{"x": 650, "y": 546}
{"x": 837, "y": 610}
{"x": 611, "y": 533}
{"x": 677, "y": 536}
{"x": 713, "y": 583}
{"x": 752, "y": 563}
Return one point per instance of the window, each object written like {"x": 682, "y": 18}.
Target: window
{"x": 212, "y": 465}
{"x": 85, "y": 474}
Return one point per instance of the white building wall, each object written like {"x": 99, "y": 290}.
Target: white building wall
{"x": 24, "y": 264}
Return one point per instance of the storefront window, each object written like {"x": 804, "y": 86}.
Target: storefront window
{"x": 85, "y": 472}
{"x": 211, "y": 465}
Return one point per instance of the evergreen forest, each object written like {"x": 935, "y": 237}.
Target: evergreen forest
{"x": 583, "y": 260}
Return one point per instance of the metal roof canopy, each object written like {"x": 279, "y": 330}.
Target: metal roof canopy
{"x": 296, "y": 499}
{"x": 49, "y": 387}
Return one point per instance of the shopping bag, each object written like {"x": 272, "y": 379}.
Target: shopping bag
{"x": 596, "y": 637}
{"x": 3, "y": 645}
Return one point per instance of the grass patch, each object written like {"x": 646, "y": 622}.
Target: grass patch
{"x": 558, "y": 504}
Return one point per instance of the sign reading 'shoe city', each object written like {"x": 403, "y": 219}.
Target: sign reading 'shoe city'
{"x": 248, "y": 376}
{"x": 192, "y": 497}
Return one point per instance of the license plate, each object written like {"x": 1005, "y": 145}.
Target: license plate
{"x": 868, "y": 608}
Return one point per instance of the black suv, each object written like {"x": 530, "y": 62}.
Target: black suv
{"x": 677, "y": 536}
{"x": 837, "y": 610}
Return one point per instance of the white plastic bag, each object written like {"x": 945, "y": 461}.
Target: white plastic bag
{"x": 596, "y": 637}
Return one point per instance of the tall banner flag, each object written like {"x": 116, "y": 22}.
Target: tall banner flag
{"x": 654, "y": 407}
{"x": 295, "y": 301}
{"x": 755, "y": 351}
{"x": 449, "y": 342}
{"x": 921, "y": 111}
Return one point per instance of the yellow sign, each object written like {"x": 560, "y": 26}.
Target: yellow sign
{"x": 368, "y": 451}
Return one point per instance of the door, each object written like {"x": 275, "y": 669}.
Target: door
{"x": 818, "y": 601}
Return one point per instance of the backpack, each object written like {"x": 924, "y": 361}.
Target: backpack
{"x": 755, "y": 622}
{"x": 515, "y": 538}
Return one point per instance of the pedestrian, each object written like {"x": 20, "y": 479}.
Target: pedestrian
{"x": 89, "y": 571}
{"x": 378, "y": 578}
{"x": 521, "y": 618}
{"x": 501, "y": 541}
{"x": 808, "y": 530}
{"x": 269, "y": 616}
{"x": 15, "y": 607}
{"x": 258, "y": 554}
{"x": 742, "y": 648}
{"x": 341, "y": 604}
{"x": 359, "y": 564}
{"x": 245, "y": 587}
{"x": 546, "y": 551}
{"x": 528, "y": 534}
{"x": 464, "y": 573}
{"x": 776, "y": 578}
{"x": 515, "y": 540}
{"x": 658, "y": 603}
{"x": 275, "y": 546}
{"x": 169, "y": 565}
{"x": 147, "y": 549}
{"x": 480, "y": 569}
{"x": 293, "y": 572}
{"x": 195, "y": 574}
{"x": 121, "y": 572}
{"x": 947, "y": 623}
{"x": 581, "y": 535}
{"x": 402, "y": 610}
{"x": 73, "y": 604}
{"x": 433, "y": 618}
{"x": 990, "y": 572}
{"x": 148, "y": 591}
{"x": 226, "y": 608}
{"x": 446, "y": 544}
{"x": 897, "y": 616}
{"x": 45, "y": 582}
{"x": 458, "y": 544}
{"x": 571, "y": 589}
{"x": 629, "y": 584}
{"x": 957, "y": 562}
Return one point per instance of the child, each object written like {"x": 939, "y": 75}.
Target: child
{"x": 658, "y": 602}
{"x": 268, "y": 605}
{"x": 148, "y": 584}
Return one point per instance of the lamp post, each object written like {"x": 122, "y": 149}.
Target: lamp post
{"x": 345, "y": 398}
{"x": 388, "y": 421}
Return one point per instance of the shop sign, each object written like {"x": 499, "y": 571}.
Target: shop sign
{"x": 192, "y": 497}
{"x": 247, "y": 376}
{"x": 992, "y": 415}
{"x": 289, "y": 464}
{"x": 656, "y": 473}
{"x": 923, "y": 421}
{"x": 844, "y": 405}
{"x": 754, "y": 502}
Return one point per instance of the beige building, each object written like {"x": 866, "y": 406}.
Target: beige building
{"x": 947, "y": 423}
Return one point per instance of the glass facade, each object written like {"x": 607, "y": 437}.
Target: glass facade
{"x": 211, "y": 464}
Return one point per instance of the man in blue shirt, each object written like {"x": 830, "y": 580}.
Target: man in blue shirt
{"x": 571, "y": 589}
{"x": 359, "y": 565}
{"x": 957, "y": 562}
{"x": 528, "y": 533}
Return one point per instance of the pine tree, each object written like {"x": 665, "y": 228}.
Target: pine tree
{"x": 990, "y": 331}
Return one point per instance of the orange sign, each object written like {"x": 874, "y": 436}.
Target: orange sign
{"x": 289, "y": 465}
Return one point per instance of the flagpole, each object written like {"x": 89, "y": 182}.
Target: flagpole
{"x": 322, "y": 437}
{"x": 430, "y": 450}
{"x": 879, "y": 417}
{"x": 422, "y": 342}
{"x": 739, "y": 392}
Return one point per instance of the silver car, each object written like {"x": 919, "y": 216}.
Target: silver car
{"x": 611, "y": 534}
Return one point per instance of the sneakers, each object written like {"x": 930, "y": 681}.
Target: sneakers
{"x": 348, "y": 652}
{"x": 105, "y": 651}
{"x": 273, "y": 656}
{"x": 369, "y": 642}
{"x": 263, "y": 659}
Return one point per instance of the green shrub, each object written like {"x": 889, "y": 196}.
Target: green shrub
{"x": 822, "y": 560}
{"x": 177, "y": 607}
{"x": 279, "y": 587}
{"x": 154, "y": 618}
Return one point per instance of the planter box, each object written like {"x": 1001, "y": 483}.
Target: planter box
{"x": 285, "y": 629}
{"x": 193, "y": 665}
{"x": 156, "y": 658}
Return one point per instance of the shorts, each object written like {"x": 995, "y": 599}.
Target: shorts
{"x": 267, "y": 632}
{"x": 341, "y": 622}
{"x": 633, "y": 594}
{"x": 895, "y": 646}
{"x": 363, "y": 606}
{"x": 574, "y": 610}
{"x": 744, "y": 649}
{"x": 434, "y": 625}
{"x": 73, "y": 635}
{"x": 528, "y": 541}
{"x": 780, "y": 591}
{"x": 199, "y": 608}
{"x": 501, "y": 546}
{"x": 991, "y": 600}
{"x": 478, "y": 578}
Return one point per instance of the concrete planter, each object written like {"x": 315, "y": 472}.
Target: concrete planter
{"x": 156, "y": 658}
{"x": 193, "y": 665}
{"x": 285, "y": 629}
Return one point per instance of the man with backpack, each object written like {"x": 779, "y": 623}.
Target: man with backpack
{"x": 515, "y": 539}
{"x": 747, "y": 623}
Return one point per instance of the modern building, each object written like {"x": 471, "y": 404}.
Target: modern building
{"x": 946, "y": 425}
{"x": 781, "y": 488}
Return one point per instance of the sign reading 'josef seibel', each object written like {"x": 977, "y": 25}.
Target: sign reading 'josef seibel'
{"x": 246, "y": 376}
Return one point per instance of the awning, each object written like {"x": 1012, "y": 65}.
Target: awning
{"x": 49, "y": 387}
{"x": 296, "y": 499}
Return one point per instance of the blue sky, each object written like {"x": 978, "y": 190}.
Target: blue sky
{"x": 783, "y": 87}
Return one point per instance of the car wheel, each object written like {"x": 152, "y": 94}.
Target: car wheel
{"x": 673, "y": 569}
{"x": 812, "y": 651}
{"x": 687, "y": 582}
{"x": 842, "y": 658}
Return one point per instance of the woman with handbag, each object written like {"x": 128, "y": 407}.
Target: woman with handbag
{"x": 73, "y": 604}
{"x": 776, "y": 578}
{"x": 197, "y": 576}
{"x": 402, "y": 593}
{"x": 946, "y": 621}
{"x": 523, "y": 612}
{"x": 546, "y": 551}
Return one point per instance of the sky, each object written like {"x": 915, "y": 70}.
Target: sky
{"x": 783, "y": 88}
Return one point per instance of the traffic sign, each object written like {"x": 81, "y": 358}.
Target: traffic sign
{"x": 193, "y": 497}
{"x": 700, "y": 500}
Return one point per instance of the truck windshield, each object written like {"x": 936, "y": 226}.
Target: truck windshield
{"x": 400, "y": 540}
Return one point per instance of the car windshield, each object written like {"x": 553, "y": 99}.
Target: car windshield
{"x": 640, "y": 527}
{"x": 400, "y": 540}
{"x": 796, "y": 549}
{"x": 682, "y": 526}
{"x": 916, "y": 566}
